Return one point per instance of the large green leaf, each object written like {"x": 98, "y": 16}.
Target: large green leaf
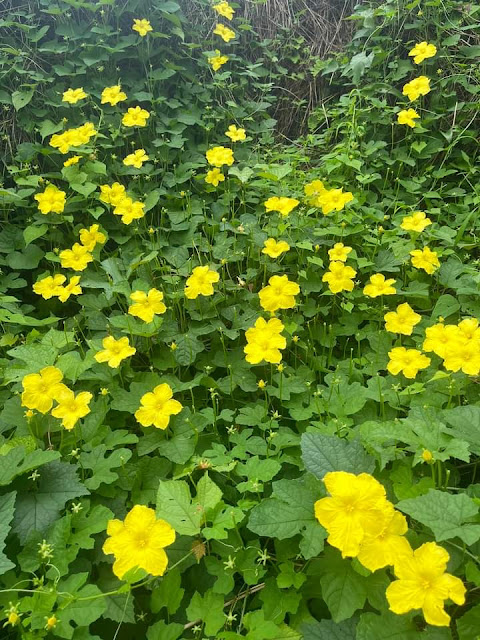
{"x": 208, "y": 609}
{"x": 18, "y": 461}
{"x": 7, "y": 507}
{"x": 322, "y": 454}
{"x": 38, "y": 508}
{"x": 102, "y": 465}
{"x": 329, "y": 630}
{"x": 174, "y": 504}
{"x": 446, "y": 514}
{"x": 343, "y": 589}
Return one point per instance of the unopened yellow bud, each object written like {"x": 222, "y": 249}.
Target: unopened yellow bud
{"x": 261, "y": 384}
{"x": 51, "y": 623}
{"x": 427, "y": 456}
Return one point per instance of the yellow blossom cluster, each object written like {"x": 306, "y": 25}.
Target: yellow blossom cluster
{"x": 73, "y": 137}
{"x": 457, "y": 345}
{"x": 417, "y": 87}
{"x": 41, "y": 390}
{"x": 363, "y": 524}
{"x": 327, "y": 200}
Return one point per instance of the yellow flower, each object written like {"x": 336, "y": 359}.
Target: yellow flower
{"x": 402, "y": 320}
{"x": 382, "y": 548}
{"x": 76, "y": 258}
{"x": 427, "y": 456}
{"x": 73, "y": 137}
{"x": 469, "y": 329}
{"x": 339, "y": 277}
{"x": 112, "y": 195}
{"x": 13, "y": 618}
{"x": 91, "y": 237}
{"x": 264, "y": 341}
{"x": 224, "y": 9}
{"x": 114, "y": 351}
{"x": 425, "y": 259}
{"x": 147, "y": 305}
{"x": 415, "y": 88}
{"x": 407, "y": 361}
{"x": 379, "y": 286}
{"x": 200, "y": 283}
{"x": 423, "y": 584}
{"x": 357, "y": 507}
{"x": 418, "y": 222}
{"x": 142, "y": 26}
{"x": 261, "y": 384}
{"x": 113, "y": 95}
{"x": 218, "y": 156}
{"x": 139, "y": 541}
{"x": 407, "y": 116}
{"x": 224, "y": 32}
{"x": 73, "y": 95}
{"x": 235, "y": 134}
{"x": 439, "y": 336}
{"x": 52, "y": 200}
{"x": 41, "y": 389}
{"x": 214, "y": 176}
{"x": 313, "y": 190}
{"x": 129, "y": 210}
{"x": 72, "y": 407}
{"x": 51, "y": 623}
{"x": 135, "y": 117}
{"x": 274, "y": 249}
{"x": 421, "y": 51}
{"x": 217, "y": 60}
{"x": 339, "y": 252}
{"x": 279, "y": 294}
{"x": 157, "y": 407}
{"x": 282, "y": 204}
{"x": 85, "y": 132}
{"x": 136, "y": 159}
{"x": 72, "y": 288}
{"x": 72, "y": 160}
{"x": 49, "y": 286}
{"x": 333, "y": 200}
{"x": 464, "y": 356}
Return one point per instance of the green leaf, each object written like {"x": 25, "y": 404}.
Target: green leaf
{"x": 329, "y": 630}
{"x": 17, "y": 461}
{"x": 322, "y": 454}
{"x": 188, "y": 347}
{"x": 163, "y": 631}
{"x": 83, "y": 609}
{"x": 209, "y": 609}
{"x": 120, "y": 608}
{"x": 343, "y": 589}
{"x": 7, "y": 508}
{"x": 21, "y": 98}
{"x": 168, "y": 594}
{"x": 208, "y": 494}
{"x": 446, "y": 515}
{"x": 388, "y": 626}
{"x": 33, "y": 232}
{"x": 174, "y": 504}
{"x": 38, "y": 508}
{"x": 469, "y": 624}
{"x": 274, "y": 518}
{"x": 102, "y": 465}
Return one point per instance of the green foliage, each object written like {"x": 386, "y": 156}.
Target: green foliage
{"x": 237, "y": 472}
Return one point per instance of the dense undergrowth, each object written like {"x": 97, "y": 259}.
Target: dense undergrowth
{"x": 240, "y": 377}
